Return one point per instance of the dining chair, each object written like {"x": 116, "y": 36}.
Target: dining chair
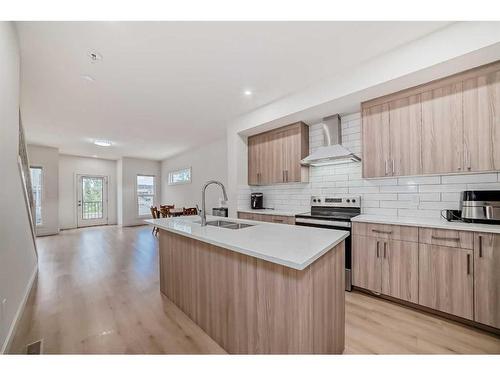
{"x": 156, "y": 215}
{"x": 165, "y": 210}
{"x": 189, "y": 211}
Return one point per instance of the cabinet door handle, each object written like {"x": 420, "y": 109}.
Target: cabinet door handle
{"x": 283, "y": 175}
{"x": 377, "y": 249}
{"x": 386, "y": 167}
{"x": 480, "y": 246}
{"x": 381, "y": 231}
{"x": 286, "y": 174}
{"x": 392, "y": 166}
{"x": 385, "y": 248}
{"x": 445, "y": 238}
{"x": 468, "y": 264}
{"x": 278, "y": 220}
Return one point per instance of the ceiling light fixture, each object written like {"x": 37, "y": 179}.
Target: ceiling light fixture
{"x": 247, "y": 93}
{"x": 103, "y": 142}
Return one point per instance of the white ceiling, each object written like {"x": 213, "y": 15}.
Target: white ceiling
{"x": 166, "y": 87}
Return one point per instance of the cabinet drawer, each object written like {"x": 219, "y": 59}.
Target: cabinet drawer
{"x": 245, "y": 216}
{"x": 446, "y": 237}
{"x": 274, "y": 219}
{"x": 386, "y": 231}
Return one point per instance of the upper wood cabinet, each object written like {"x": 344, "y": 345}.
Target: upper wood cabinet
{"x": 487, "y": 279}
{"x": 481, "y": 109}
{"x": 405, "y": 124}
{"x": 376, "y": 150}
{"x": 450, "y": 125}
{"x": 442, "y": 131}
{"x": 274, "y": 156}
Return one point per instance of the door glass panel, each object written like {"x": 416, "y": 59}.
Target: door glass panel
{"x": 92, "y": 197}
{"x": 36, "y": 187}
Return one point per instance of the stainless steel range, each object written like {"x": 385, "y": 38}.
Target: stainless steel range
{"x": 333, "y": 213}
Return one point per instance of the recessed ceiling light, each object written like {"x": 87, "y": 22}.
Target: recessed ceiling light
{"x": 94, "y": 56}
{"x": 103, "y": 142}
{"x": 247, "y": 93}
{"x": 87, "y": 78}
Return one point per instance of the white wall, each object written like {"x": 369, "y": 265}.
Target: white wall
{"x": 17, "y": 251}
{"x": 423, "y": 196}
{"x": 128, "y": 169}
{"x": 208, "y": 162}
{"x": 69, "y": 167}
{"x": 48, "y": 159}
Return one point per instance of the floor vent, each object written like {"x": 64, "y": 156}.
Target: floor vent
{"x": 34, "y": 348}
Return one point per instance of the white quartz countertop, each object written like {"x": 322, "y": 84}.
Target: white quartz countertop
{"x": 427, "y": 223}
{"x": 270, "y": 211}
{"x": 289, "y": 245}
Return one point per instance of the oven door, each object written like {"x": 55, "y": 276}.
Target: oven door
{"x": 339, "y": 225}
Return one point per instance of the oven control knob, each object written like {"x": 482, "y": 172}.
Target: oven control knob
{"x": 353, "y": 201}
{"x": 349, "y": 200}
{"x": 314, "y": 200}
{"x": 319, "y": 200}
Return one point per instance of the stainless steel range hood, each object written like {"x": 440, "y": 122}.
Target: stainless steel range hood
{"x": 332, "y": 151}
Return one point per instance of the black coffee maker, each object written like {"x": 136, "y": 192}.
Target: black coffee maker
{"x": 257, "y": 201}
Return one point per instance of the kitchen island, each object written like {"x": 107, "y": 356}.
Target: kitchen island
{"x": 265, "y": 288}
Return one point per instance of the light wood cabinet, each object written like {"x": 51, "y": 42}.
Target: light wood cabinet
{"x": 376, "y": 141}
{"x": 442, "y": 130}
{"x": 446, "y": 279}
{"x": 386, "y": 266}
{"x": 279, "y": 219}
{"x": 366, "y": 265}
{"x": 450, "y": 125}
{"x": 446, "y": 237}
{"x": 405, "y": 134}
{"x": 400, "y": 270}
{"x": 274, "y": 156}
{"x": 481, "y": 108}
{"x": 487, "y": 279}
{"x": 453, "y": 271}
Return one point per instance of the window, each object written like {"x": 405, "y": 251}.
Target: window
{"x": 145, "y": 194}
{"x": 181, "y": 176}
{"x": 36, "y": 187}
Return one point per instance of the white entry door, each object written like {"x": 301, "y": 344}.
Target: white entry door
{"x": 92, "y": 200}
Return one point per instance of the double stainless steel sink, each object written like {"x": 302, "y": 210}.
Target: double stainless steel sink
{"x": 227, "y": 224}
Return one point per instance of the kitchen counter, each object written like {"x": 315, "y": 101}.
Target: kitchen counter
{"x": 269, "y": 211}
{"x": 426, "y": 223}
{"x": 265, "y": 289}
{"x": 288, "y": 245}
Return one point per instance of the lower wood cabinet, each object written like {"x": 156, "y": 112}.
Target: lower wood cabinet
{"x": 400, "y": 270}
{"x": 366, "y": 265}
{"x": 386, "y": 266}
{"x": 446, "y": 279}
{"x": 487, "y": 279}
{"x": 280, "y": 219}
{"x": 456, "y": 272}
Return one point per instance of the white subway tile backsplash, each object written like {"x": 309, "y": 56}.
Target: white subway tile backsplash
{"x": 399, "y": 189}
{"x": 470, "y": 178}
{"x": 418, "y": 196}
{"x": 450, "y": 197}
{"x": 484, "y": 186}
{"x": 419, "y": 180}
{"x": 442, "y": 188}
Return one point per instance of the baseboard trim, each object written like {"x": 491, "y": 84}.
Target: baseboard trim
{"x": 19, "y": 313}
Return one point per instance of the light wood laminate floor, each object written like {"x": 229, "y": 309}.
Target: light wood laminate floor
{"x": 97, "y": 291}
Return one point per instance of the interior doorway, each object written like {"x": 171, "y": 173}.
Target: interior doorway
{"x": 92, "y": 193}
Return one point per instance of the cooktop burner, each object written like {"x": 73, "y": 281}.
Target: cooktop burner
{"x": 333, "y": 208}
